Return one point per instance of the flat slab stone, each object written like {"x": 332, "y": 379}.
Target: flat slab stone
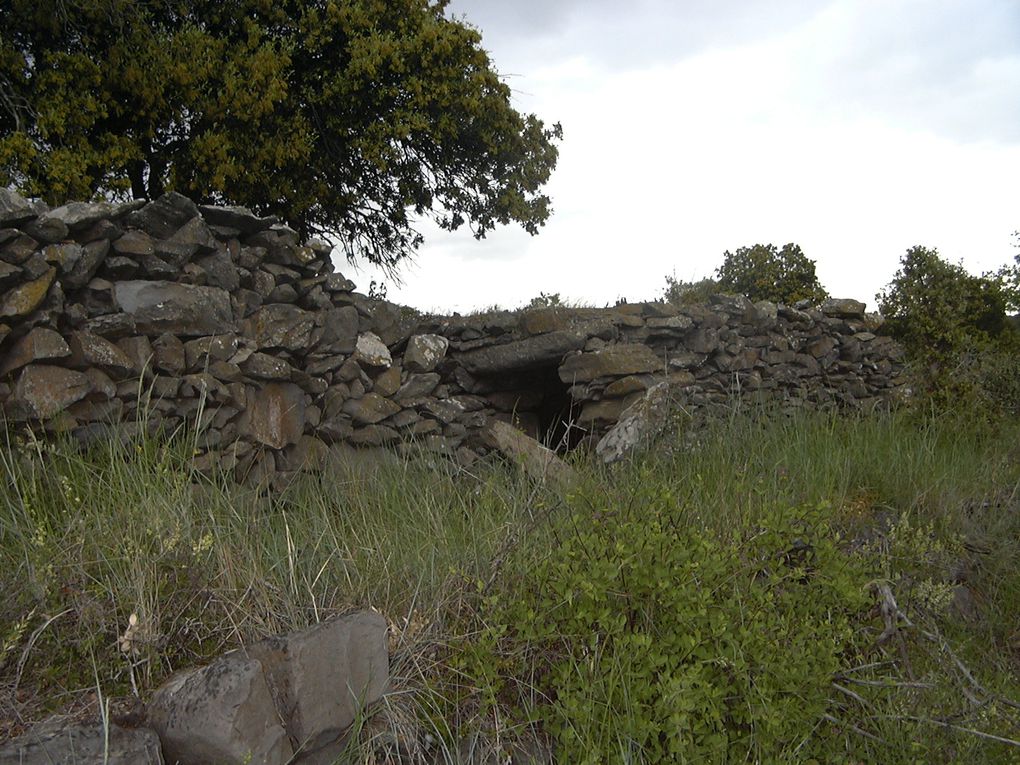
{"x": 181, "y": 309}
{"x": 542, "y": 350}
{"x": 424, "y": 352}
{"x": 38, "y": 345}
{"x": 276, "y": 415}
{"x": 22, "y": 300}
{"x": 613, "y": 361}
{"x": 241, "y": 218}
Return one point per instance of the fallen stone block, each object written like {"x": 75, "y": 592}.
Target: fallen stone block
{"x": 62, "y": 741}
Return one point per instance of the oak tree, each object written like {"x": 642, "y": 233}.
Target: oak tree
{"x": 348, "y": 118}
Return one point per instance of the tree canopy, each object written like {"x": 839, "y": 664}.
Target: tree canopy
{"x": 763, "y": 272}
{"x": 348, "y": 118}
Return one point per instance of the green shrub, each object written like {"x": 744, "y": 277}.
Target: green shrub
{"x": 763, "y": 272}
{"x": 679, "y": 292}
{"x": 655, "y": 643}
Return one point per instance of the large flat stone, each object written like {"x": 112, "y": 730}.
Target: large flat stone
{"x": 539, "y": 351}
{"x": 164, "y": 216}
{"x": 614, "y": 361}
{"x": 22, "y": 300}
{"x": 182, "y": 309}
{"x": 40, "y": 344}
{"x": 222, "y": 713}
{"x": 281, "y": 325}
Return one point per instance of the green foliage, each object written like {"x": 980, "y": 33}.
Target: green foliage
{"x": 544, "y": 300}
{"x": 679, "y": 292}
{"x": 955, "y": 329}
{"x": 764, "y": 273}
{"x": 654, "y": 642}
{"x": 346, "y": 118}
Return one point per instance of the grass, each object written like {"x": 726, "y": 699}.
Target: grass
{"x": 88, "y": 538}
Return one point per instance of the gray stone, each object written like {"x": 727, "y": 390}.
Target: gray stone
{"x": 63, "y": 256}
{"x": 322, "y": 677}
{"x": 417, "y": 386}
{"x": 531, "y": 352}
{"x": 205, "y": 350}
{"x": 92, "y": 256}
{"x": 19, "y": 249}
{"x": 240, "y": 218}
{"x": 340, "y": 330}
{"x": 40, "y": 344}
{"x": 263, "y": 366}
{"x": 540, "y": 463}
{"x": 195, "y": 237}
{"x": 169, "y": 354}
{"x": 164, "y": 216}
{"x": 9, "y": 274}
{"x": 182, "y": 309}
{"x": 374, "y": 435}
{"x": 613, "y": 361}
{"x": 370, "y": 408}
{"x": 424, "y": 352}
{"x": 43, "y": 391}
{"x": 843, "y": 308}
{"x": 280, "y": 325}
{"x": 14, "y": 208}
{"x": 641, "y": 421}
{"x": 78, "y": 216}
{"x": 46, "y": 229}
{"x": 388, "y": 382}
{"x": 220, "y": 271}
{"x": 134, "y": 243}
{"x": 223, "y": 713}
{"x": 372, "y": 352}
{"x": 64, "y": 741}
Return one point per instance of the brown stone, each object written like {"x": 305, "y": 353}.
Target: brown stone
{"x": 275, "y": 415}
{"x": 388, "y": 382}
{"x": 540, "y": 463}
{"x": 370, "y": 408}
{"x": 169, "y": 354}
{"x": 280, "y": 325}
{"x": 182, "y": 309}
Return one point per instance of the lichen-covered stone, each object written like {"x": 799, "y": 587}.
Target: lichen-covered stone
{"x": 22, "y": 300}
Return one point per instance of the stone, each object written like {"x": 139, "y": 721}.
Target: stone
{"x": 63, "y": 256}
{"x": 626, "y": 385}
{"x": 9, "y": 274}
{"x": 40, "y": 344}
{"x": 416, "y": 386}
{"x": 370, "y": 408}
{"x": 541, "y": 350}
{"x": 47, "y": 229}
{"x": 240, "y": 218}
{"x": 371, "y": 351}
{"x": 540, "y": 463}
{"x": 340, "y": 330}
{"x": 205, "y": 350}
{"x": 424, "y": 352}
{"x": 43, "y": 391}
{"x": 641, "y": 421}
{"x": 78, "y": 216}
{"x": 14, "y": 208}
{"x": 182, "y": 309}
{"x": 24, "y": 299}
{"x": 543, "y": 320}
{"x": 604, "y": 412}
{"x": 168, "y": 353}
{"x": 220, "y": 271}
{"x": 19, "y": 249}
{"x": 134, "y": 243}
{"x": 388, "y": 382}
{"x": 64, "y": 741}
{"x": 222, "y": 713}
{"x": 92, "y": 256}
{"x": 112, "y": 326}
{"x": 280, "y": 325}
{"x": 276, "y": 415}
{"x": 139, "y": 350}
{"x": 195, "y": 237}
{"x": 843, "y": 308}
{"x": 374, "y": 435}
{"x": 613, "y": 361}
{"x": 308, "y": 454}
{"x": 162, "y": 217}
{"x": 263, "y": 366}
{"x": 321, "y": 678}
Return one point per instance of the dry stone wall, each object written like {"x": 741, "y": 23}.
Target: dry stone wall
{"x": 168, "y": 314}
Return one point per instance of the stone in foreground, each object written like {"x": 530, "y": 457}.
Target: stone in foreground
{"x": 222, "y": 713}
{"x": 61, "y": 741}
{"x": 640, "y": 422}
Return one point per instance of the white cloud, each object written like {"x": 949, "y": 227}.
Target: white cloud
{"x": 856, "y": 130}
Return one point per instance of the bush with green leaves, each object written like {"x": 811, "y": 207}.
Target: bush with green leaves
{"x": 678, "y": 292}
{"x": 763, "y": 272}
{"x": 955, "y": 328}
{"x": 654, "y": 642}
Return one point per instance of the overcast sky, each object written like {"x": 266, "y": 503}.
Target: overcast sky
{"x": 855, "y": 128}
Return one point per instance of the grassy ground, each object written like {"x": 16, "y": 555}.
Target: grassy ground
{"x": 927, "y": 507}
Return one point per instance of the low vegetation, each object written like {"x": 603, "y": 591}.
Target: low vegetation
{"x": 817, "y": 588}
